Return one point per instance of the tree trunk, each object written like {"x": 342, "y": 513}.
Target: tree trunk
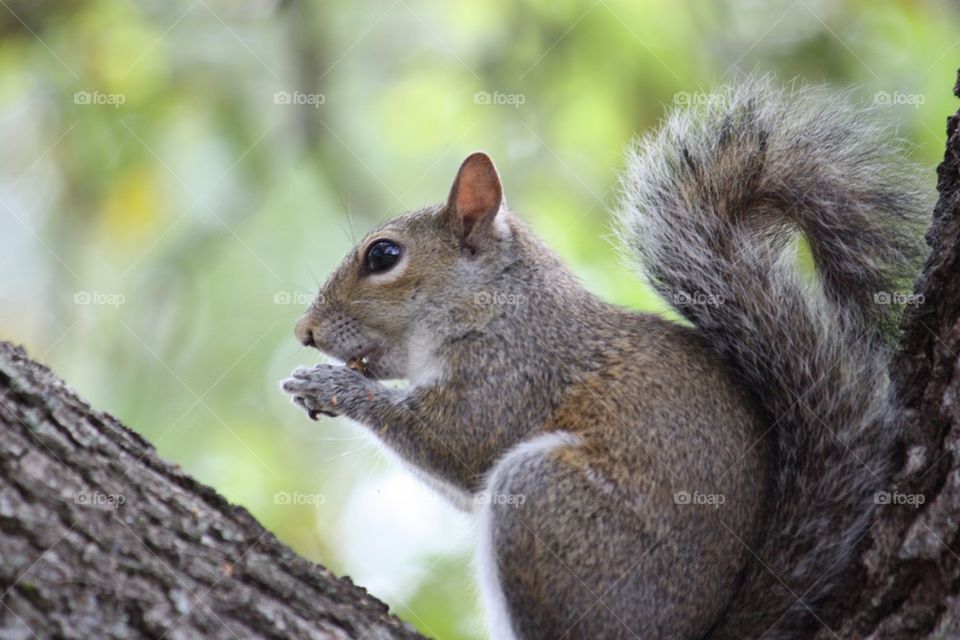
{"x": 907, "y": 583}
{"x": 99, "y": 538}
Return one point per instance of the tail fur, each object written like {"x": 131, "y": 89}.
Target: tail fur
{"x": 713, "y": 205}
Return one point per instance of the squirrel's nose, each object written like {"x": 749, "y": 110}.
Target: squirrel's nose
{"x": 304, "y": 330}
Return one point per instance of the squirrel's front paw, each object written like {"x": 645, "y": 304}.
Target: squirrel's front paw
{"x": 322, "y": 389}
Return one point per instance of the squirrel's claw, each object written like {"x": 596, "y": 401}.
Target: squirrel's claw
{"x": 313, "y": 413}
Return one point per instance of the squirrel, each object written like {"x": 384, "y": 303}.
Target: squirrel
{"x": 635, "y": 476}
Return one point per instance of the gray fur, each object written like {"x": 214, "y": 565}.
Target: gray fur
{"x": 710, "y": 205}
{"x": 601, "y": 419}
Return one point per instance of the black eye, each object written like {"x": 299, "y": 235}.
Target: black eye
{"x": 381, "y": 256}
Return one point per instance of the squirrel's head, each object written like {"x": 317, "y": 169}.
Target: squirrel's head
{"x": 413, "y": 274}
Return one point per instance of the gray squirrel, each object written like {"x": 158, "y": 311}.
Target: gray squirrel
{"x": 635, "y": 477}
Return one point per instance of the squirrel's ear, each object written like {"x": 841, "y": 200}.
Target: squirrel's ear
{"x": 476, "y": 194}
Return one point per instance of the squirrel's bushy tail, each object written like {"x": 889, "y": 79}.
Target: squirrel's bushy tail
{"x": 713, "y": 205}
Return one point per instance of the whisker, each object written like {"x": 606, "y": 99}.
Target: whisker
{"x": 353, "y": 239}
{"x": 351, "y": 452}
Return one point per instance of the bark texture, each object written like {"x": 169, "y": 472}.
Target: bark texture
{"x": 99, "y": 538}
{"x": 907, "y": 584}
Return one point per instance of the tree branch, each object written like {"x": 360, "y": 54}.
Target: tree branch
{"x": 101, "y": 538}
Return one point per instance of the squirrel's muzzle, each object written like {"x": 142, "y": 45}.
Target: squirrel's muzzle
{"x": 304, "y": 330}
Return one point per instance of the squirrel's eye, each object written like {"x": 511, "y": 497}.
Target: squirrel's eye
{"x": 381, "y": 256}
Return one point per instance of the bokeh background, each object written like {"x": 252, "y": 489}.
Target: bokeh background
{"x": 177, "y": 177}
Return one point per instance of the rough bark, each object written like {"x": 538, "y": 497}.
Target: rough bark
{"x": 99, "y": 538}
{"x": 907, "y": 584}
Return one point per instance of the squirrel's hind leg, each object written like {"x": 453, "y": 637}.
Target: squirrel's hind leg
{"x": 501, "y": 621}
{"x": 562, "y": 556}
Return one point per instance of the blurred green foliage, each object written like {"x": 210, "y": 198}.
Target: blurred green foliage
{"x": 178, "y": 176}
